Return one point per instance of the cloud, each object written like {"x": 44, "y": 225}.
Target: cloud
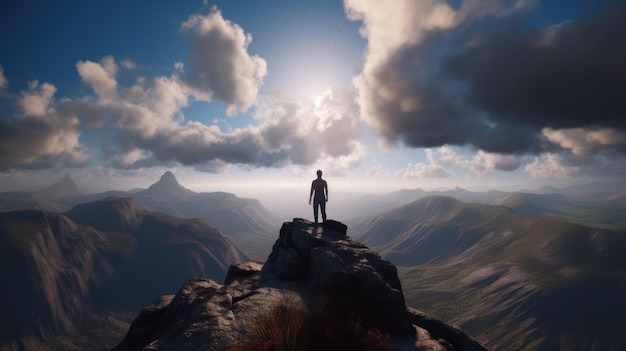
{"x": 422, "y": 170}
{"x": 3, "y": 80}
{"x": 445, "y": 162}
{"x": 220, "y": 63}
{"x": 40, "y": 137}
{"x": 146, "y": 127}
{"x": 484, "y": 163}
{"x": 480, "y": 76}
{"x": 100, "y": 76}
{"x": 583, "y": 141}
{"x": 553, "y": 165}
{"x": 142, "y": 124}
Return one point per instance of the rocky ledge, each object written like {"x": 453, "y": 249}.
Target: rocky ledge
{"x": 319, "y": 289}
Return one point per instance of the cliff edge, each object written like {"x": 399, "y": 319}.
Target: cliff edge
{"x": 318, "y": 289}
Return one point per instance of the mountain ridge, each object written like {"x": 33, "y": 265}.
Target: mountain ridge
{"x": 518, "y": 282}
{"x": 62, "y": 269}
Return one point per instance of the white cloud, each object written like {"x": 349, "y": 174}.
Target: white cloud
{"x": 220, "y": 63}
{"x": 423, "y": 170}
{"x": 100, "y": 77}
{"x": 128, "y": 64}
{"x": 551, "y": 165}
{"x": 582, "y": 141}
{"x": 36, "y": 101}
{"x": 151, "y": 129}
{"x": 394, "y": 95}
{"x": 444, "y": 161}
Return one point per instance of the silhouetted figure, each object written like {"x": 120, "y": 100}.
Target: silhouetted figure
{"x": 320, "y": 188}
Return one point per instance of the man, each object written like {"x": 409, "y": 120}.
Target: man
{"x": 320, "y": 188}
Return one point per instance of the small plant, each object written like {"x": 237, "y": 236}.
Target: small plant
{"x": 327, "y": 325}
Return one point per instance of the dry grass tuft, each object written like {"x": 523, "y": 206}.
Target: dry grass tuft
{"x": 327, "y": 326}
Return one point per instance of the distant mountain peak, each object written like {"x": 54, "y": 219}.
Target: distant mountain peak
{"x": 168, "y": 185}
{"x": 168, "y": 177}
{"x": 62, "y": 188}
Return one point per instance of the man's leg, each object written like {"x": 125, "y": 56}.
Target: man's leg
{"x": 315, "y": 204}
{"x": 323, "y": 206}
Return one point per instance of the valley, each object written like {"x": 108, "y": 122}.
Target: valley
{"x": 534, "y": 270}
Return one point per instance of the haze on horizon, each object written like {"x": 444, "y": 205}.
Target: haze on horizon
{"x": 251, "y": 97}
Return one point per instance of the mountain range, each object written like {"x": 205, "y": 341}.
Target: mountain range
{"x": 533, "y": 270}
{"x": 517, "y": 282}
{"x": 94, "y": 262}
{"x": 245, "y": 221}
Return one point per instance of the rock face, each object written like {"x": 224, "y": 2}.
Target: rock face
{"x": 109, "y": 255}
{"x": 308, "y": 263}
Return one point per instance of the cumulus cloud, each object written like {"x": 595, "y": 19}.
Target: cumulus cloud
{"x": 445, "y": 162}
{"x": 553, "y": 165}
{"x": 478, "y": 75}
{"x": 151, "y": 131}
{"x": 142, "y": 124}
{"x": 40, "y": 137}
{"x": 220, "y": 63}
{"x": 583, "y": 141}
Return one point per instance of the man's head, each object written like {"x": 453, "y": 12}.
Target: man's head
{"x": 319, "y": 173}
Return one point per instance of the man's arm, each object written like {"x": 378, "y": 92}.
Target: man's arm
{"x": 326, "y": 190}
{"x": 311, "y": 194}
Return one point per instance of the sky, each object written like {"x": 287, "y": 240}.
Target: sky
{"x": 248, "y": 95}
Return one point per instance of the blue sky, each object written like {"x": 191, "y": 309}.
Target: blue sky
{"x": 241, "y": 95}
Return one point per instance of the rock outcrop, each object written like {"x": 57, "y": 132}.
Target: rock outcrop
{"x": 310, "y": 266}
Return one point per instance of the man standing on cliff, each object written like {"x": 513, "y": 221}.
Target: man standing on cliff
{"x": 320, "y": 188}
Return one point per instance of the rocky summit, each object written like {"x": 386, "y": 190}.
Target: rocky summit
{"x": 318, "y": 289}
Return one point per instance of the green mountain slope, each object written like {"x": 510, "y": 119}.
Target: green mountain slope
{"x": 604, "y": 212}
{"x": 515, "y": 282}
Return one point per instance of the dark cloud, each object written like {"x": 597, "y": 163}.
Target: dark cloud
{"x": 570, "y": 75}
{"x": 495, "y": 83}
{"x": 31, "y": 142}
{"x": 39, "y": 136}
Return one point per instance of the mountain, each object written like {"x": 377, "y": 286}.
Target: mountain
{"x": 318, "y": 290}
{"x": 515, "y": 282}
{"x": 357, "y": 209}
{"x": 168, "y": 249}
{"x": 604, "y": 212}
{"x": 245, "y": 221}
{"x": 49, "y": 265}
{"x": 22, "y": 199}
{"x": 68, "y": 277}
{"x": 64, "y": 188}
{"x": 166, "y": 187}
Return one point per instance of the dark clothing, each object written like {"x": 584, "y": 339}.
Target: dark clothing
{"x": 322, "y": 206}
{"x": 320, "y": 188}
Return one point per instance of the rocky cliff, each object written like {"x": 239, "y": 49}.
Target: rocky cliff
{"x": 93, "y": 262}
{"x": 318, "y": 289}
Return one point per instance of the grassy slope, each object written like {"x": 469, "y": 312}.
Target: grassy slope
{"x": 514, "y": 282}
